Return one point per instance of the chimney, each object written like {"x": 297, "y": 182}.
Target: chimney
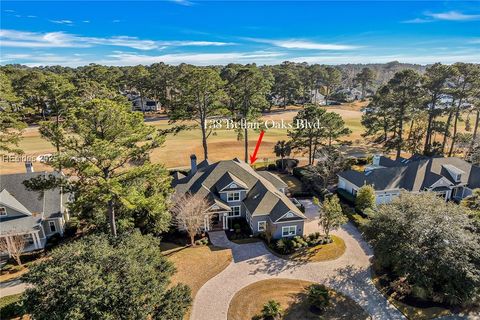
{"x": 29, "y": 166}
{"x": 376, "y": 160}
{"x": 193, "y": 164}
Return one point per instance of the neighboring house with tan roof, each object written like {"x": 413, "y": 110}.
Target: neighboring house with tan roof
{"x": 36, "y": 215}
{"x": 235, "y": 190}
{"x": 451, "y": 178}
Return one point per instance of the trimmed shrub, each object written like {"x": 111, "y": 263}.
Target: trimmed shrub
{"x": 272, "y": 310}
{"x": 11, "y": 306}
{"x": 318, "y": 296}
{"x": 72, "y": 226}
{"x": 272, "y": 167}
{"x": 346, "y": 196}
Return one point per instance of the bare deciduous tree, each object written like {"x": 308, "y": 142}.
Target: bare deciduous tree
{"x": 190, "y": 213}
{"x": 15, "y": 246}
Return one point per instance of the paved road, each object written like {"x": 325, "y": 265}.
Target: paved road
{"x": 349, "y": 274}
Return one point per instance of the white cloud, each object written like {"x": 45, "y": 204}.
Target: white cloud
{"x": 193, "y": 58}
{"x": 67, "y": 22}
{"x": 304, "y": 44}
{"x": 22, "y": 39}
{"x": 118, "y": 58}
{"x": 183, "y": 2}
{"x": 86, "y": 21}
{"x": 418, "y": 20}
{"x": 453, "y": 16}
{"x": 419, "y": 59}
{"x": 444, "y": 16}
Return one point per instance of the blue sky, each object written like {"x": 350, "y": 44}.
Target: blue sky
{"x": 200, "y": 32}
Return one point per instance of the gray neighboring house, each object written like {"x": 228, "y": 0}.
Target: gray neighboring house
{"x": 451, "y": 178}
{"x": 236, "y": 190}
{"x": 36, "y": 215}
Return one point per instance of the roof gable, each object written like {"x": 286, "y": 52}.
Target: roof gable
{"x": 7, "y": 200}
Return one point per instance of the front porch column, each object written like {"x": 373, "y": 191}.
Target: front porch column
{"x": 225, "y": 221}
{"x": 36, "y": 240}
{"x": 206, "y": 224}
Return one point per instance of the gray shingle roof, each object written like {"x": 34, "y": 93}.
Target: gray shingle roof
{"x": 227, "y": 179}
{"x": 416, "y": 174}
{"x": 274, "y": 179}
{"x": 19, "y": 224}
{"x": 262, "y": 196}
{"x": 15, "y": 195}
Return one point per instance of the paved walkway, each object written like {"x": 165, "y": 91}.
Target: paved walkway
{"x": 349, "y": 274}
{"x": 10, "y": 287}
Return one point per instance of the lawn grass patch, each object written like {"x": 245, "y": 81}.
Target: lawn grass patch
{"x": 291, "y": 294}
{"x": 11, "y": 306}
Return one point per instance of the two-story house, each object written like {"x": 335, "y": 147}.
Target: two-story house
{"x": 235, "y": 190}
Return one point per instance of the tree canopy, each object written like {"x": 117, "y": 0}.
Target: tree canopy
{"x": 429, "y": 248}
{"x": 105, "y": 147}
{"x": 98, "y": 277}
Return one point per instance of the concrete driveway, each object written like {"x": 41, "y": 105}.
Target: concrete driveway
{"x": 349, "y": 274}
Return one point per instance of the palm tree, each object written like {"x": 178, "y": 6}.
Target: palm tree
{"x": 272, "y": 310}
{"x": 282, "y": 149}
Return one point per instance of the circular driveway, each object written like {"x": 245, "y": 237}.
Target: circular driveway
{"x": 349, "y": 274}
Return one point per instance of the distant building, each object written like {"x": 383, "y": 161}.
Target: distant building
{"x": 139, "y": 104}
{"x": 349, "y": 94}
{"x": 142, "y": 104}
{"x": 451, "y": 178}
{"x": 316, "y": 97}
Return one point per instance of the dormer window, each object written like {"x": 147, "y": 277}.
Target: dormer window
{"x": 458, "y": 177}
{"x": 3, "y": 211}
{"x": 233, "y": 186}
{"x": 233, "y": 196}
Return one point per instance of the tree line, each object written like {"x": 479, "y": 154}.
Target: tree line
{"x": 421, "y": 113}
{"x": 186, "y": 92}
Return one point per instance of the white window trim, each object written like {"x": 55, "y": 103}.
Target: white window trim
{"x": 285, "y": 215}
{"x": 3, "y": 212}
{"x": 289, "y": 235}
{"x": 237, "y": 193}
{"x": 263, "y": 222}
{"x": 50, "y": 223}
{"x": 239, "y": 212}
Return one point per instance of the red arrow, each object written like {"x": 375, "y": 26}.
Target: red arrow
{"x": 253, "y": 157}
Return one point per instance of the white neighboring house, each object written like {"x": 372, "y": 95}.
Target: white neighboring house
{"x": 35, "y": 215}
{"x": 451, "y": 178}
{"x": 145, "y": 104}
{"x": 350, "y": 94}
{"x": 317, "y": 97}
